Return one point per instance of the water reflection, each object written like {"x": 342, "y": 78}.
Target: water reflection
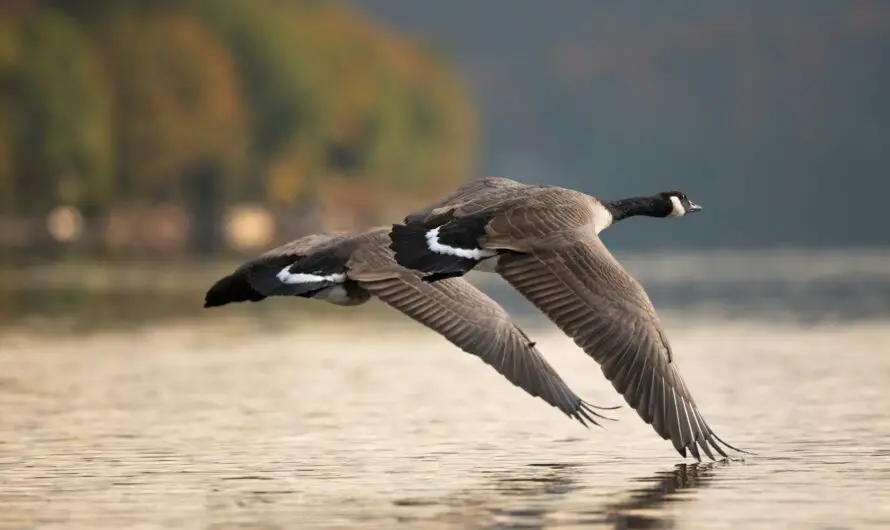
{"x": 641, "y": 509}
{"x": 547, "y": 494}
{"x": 517, "y": 497}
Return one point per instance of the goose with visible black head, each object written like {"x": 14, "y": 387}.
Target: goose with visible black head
{"x": 544, "y": 241}
{"x": 681, "y": 204}
{"x": 664, "y": 204}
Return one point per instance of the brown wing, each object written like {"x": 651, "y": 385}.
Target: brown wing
{"x": 300, "y": 247}
{"x": 592, "y": 299}
{"x": 476, "y": 324}
{"x": 481, "y": 191}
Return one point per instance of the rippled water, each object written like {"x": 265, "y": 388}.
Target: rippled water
{"x": 375, "y": 426}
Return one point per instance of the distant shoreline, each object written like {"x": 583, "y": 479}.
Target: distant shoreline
{"x": 806, "y": 287}
{"x": 719, "y": 265}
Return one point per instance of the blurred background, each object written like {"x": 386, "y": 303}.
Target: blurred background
{"x": 147, "y": 145}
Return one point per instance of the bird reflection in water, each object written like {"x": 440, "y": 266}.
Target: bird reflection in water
{"x": 507, "y": 498}
{"x": 549, "y": 494}
{"x": 642, "y": 508}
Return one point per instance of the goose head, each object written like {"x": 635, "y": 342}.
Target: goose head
{"x": 675, "y": 204}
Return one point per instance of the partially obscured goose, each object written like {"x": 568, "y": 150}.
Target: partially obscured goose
{"x": 544, "y": 241}
{"x": 347, "y": 269}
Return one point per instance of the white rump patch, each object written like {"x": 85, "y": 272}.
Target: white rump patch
{"x": 678, "y": 210}
{"x": 432, "y": 241}
{"x": 288, "y": 277}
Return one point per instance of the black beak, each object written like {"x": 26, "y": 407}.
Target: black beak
{"x": 693, "y": 207}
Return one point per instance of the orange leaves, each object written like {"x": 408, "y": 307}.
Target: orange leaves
{"x": 287, "y": 101}
{"x": 177, "y": 100}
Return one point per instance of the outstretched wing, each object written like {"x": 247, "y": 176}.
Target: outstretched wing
{"x": 591, "y": 298}
{"x": 478, "y": 325}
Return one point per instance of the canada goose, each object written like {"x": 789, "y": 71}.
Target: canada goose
{"x": 347, "y": 269}
{"x": 544, "y": 241}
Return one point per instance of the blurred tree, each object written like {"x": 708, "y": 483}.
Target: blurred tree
{"x": 277, "y": 90}
{"x": 53, "y": 116}
{"x": 177, "y": 104}
{"x": 205, "y": 102}
{"x": 333, "y": 96}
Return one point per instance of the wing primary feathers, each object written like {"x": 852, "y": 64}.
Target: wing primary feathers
{"x": 475, "y": 323}
{"x": 731, "y": 446}
{"x": 592, "y": 299}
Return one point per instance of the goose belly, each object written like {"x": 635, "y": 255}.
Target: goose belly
{"x": 339, "y": 295}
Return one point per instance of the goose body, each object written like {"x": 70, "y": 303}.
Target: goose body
{"x": 543, "y": 240}
{"x": 349, "y": 269}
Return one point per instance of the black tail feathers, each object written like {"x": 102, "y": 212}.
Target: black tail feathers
{"x": 232, "y": 288}
{"x": 239, "y": 287}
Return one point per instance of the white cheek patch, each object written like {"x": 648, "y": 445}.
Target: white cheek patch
{"x": 432, "y": 241}
{"x": 678, "y": 210}
{"x": 288, "y": 277}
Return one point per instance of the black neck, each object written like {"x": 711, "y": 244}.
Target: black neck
{"x": 624, "y": 208}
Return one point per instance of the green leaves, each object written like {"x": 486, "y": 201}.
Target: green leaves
{"x": 107, "y": 103}
{"x": 54, "y": 113}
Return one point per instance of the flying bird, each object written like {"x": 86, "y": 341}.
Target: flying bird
{"x": 544, "y": 241}
{"x": 348, "y": 269}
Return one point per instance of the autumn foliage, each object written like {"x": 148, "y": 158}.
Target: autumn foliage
{"x": 107, "y": 105}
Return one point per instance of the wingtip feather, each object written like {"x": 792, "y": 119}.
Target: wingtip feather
{"x": 592, "y": 409}
{"x": 732, "y": 446}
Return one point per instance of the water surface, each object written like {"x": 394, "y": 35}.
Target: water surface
{"x": 383, "y": 425}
